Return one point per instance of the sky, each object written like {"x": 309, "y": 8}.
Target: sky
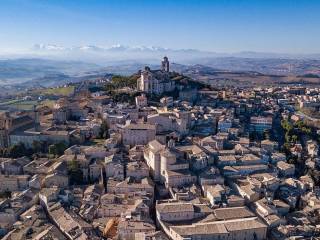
{"x": 280, "y": 26}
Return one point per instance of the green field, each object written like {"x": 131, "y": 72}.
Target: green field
{"x": 10, "y": 102}
{"x": 26, "y": 105}
{"x": 19, "y": 104}
{"x": 61, "y": 91}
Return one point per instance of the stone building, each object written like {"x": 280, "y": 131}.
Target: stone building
{"x": 201, "y": 222}
{"x": 66, "y": 109}
{"x": 260, "y": 124}
{"x": 156, "y": 81}
{"x": 167, "y": 165}
{"x": 138, "y": 134}
{"x": 10, "y": 123}
{"x": 141, "y": 101}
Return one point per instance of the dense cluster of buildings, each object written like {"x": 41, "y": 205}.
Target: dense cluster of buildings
{"x": 206, "y": 164}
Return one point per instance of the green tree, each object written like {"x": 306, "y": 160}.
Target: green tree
{"x": 286, "y": 125}
{"x": 53, "y": 150}
{"x": 18, "y": 150}
{"x": 118, "y": 81}
{"x": 57, "y": 148}
{"x": 61, "y": 147}
{"x": 286, "y": 148}
{"x": 287, "y": 137}
{"x": 36, "y": 146}
{"x": 104, "y": 130}
{"x": 294, "y": 138}
{"x": 74, "y": 171}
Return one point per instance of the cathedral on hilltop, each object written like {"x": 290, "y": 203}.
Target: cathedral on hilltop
{"x": 156, "y": 81}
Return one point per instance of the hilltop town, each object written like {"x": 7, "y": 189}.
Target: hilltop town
{"x": 158, "y": 155}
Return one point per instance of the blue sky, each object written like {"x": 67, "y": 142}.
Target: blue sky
{"x": 285, "y": 26}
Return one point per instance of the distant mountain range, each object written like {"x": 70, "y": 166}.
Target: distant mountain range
{"x": 118, "y": 47}
{"x": 149, "y": 54}
{"x": 114, "y": 48}
{"x": 123, "y": 52}
{"x": 113, "y": 54}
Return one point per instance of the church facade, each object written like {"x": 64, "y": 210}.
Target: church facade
{"x": 156, "y": 81}
{"x": 9, "y": 124}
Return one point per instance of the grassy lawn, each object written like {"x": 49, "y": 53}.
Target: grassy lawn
{"x": 26, "y": 105}
{"x": 21, "y": 105}
{"x": 10, "y": 102}
{"x": 61, "y": 91}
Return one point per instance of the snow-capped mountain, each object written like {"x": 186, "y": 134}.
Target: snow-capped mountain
{"x": 48, "y": 47}
{"x": 152, "y": 54}
{"x": 116, "y": 47}
{"x": 116, "y": 52}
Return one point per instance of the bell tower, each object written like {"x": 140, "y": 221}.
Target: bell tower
{"x": 165, "y": 66}
{"x": 5, "y": 127}
{"x": 36, "y": 118}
